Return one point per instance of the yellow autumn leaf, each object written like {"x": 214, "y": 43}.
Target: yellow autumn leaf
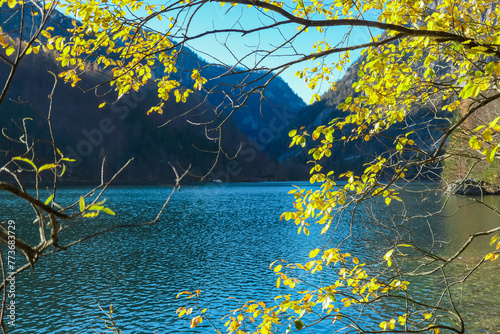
{"x": 27, "y": 161}
{"x": 195, "y": 321}
{"x": 10, "y": 50}
{"x": 487, "y": 135}
{"x": 388, "y": 257}
{"x": 314, "y": 253}
{"x": 82, "y": 204}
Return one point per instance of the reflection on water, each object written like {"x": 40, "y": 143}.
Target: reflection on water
{"x": 220, "y": 239}
{"x": 468, "y": 217}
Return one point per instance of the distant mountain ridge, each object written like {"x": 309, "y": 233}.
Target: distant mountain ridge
{"x": 254, "y": 141}
{"x": 122, "y": 130}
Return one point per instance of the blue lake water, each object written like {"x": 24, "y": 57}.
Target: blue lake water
{"x": 220, "y": 239}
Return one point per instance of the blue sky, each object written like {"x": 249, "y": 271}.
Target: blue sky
{"x": 213, "y": 15}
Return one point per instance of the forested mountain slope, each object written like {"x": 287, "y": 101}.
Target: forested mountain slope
{"x": 256, "y": 135}
{"x": 122, "y": 130}
{"x": 426, "y": 121}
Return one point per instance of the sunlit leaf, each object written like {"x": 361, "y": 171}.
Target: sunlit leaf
{"x": 82, "y": 204}
{"x": 388, "y": 257}
{"x": 108, "y": 211}
{"x": 47, "y": 166}
{"x": 314, "y": 253}
{"x": 27, "y": 161}
{"x": 195, "y": 321}
{"x": 49, "y": 199}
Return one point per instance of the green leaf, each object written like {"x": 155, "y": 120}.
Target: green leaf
{"x": 299, "y": 324}
{"x": 292, "y": 133}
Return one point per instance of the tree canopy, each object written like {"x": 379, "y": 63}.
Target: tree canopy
{"x": 438, "y": 56}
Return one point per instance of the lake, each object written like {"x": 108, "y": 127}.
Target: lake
{"x": 219, "y": 238}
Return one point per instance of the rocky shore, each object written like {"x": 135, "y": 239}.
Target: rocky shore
{"x": 471, "y": 187}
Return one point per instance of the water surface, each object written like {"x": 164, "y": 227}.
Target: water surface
{"x": 217, "y": 238}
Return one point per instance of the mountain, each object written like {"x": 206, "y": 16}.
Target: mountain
{"x": 122, "y": 130}
{"x": 427, "y": 123}
{"x": 254, "y": 140}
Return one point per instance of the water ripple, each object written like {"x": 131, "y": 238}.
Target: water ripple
{"x": 220, "y": 239}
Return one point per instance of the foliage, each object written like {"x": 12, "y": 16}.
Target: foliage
{"x": 457, "y": 46}
{"x": 442, "y": 56}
